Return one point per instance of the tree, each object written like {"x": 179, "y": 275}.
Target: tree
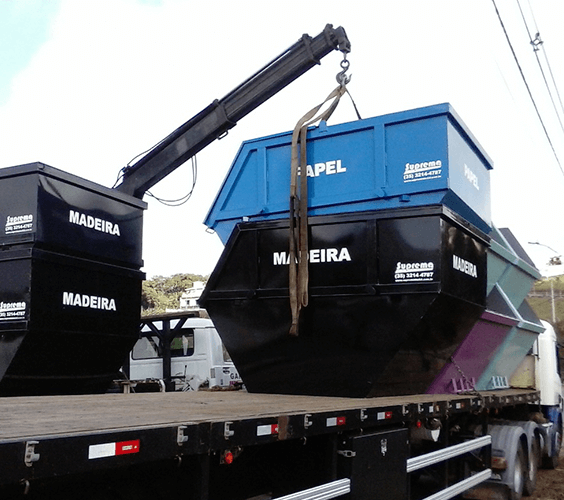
{"x": 163, "y": 292}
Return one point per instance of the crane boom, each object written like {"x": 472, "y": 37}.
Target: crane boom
{"x": 223, "y": 114}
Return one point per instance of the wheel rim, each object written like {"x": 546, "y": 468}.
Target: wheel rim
{"x": 519, "y": 472}
{"x": 534, "y": 461}
{"x": 518, "y": 478}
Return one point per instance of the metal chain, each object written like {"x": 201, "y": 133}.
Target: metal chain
{"x": 466, "y": 380}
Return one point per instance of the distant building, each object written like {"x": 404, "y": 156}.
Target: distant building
{"x": 189, "y": 299}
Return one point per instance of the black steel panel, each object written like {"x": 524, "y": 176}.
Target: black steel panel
{"x": 334, "y": 244}
{"x": 391, "y": 296}
{"x": 410, "y": 250}
{"x": 67, "y": 214}
{"x": 376, "y": 464}
{"x": 67, "y": 455}
{"x": 81, "y": 320}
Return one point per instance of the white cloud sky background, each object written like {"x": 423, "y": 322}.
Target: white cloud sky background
{"x": 87, "y": 85}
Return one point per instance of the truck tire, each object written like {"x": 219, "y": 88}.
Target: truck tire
{"x": 534, "y": 461}
{"x": 519, "y": 474}
{"x": 552, "y": 461}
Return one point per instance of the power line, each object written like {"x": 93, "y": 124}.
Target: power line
{"x": 527, "y": 86}
{"x": 546, "y": 57}
{"x": 537, "y": 44}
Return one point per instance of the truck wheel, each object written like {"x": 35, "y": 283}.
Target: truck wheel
{"x": 552, "y": 462}
{"x": 519, "y": 474}
{"x": 534, "y": 460}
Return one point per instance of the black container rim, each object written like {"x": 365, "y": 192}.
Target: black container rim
{"x": 394, "y": 213}
{"x": 27, "y": 252}
{"x": 55, "y": 173}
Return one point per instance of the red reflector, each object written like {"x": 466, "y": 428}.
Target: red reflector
{"x": 228, "y": 458}
{"x": 127, "y": 447}
{"x": 341, "y": 420}
{"x": 267, "y": 430}
{"x": 388, "y": 415}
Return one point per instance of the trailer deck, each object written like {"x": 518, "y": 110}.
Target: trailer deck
{"x": 56, "y": 435}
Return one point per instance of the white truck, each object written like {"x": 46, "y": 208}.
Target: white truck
{"x": 179, "y": 351}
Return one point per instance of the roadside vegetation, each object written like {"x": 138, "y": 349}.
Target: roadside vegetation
{"x": 163, "y": 292}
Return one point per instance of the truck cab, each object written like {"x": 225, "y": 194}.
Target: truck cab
{"x": 180, "y": 351}
{"x": 549, "y": 384}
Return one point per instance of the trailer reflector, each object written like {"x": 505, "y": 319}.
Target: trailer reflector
{"x": 335, "y": 421}
{"x": 127, "y": 447}
{"x": 105, "y": 450}
{"x": 384, "y": 415}
{"x": 267, "y": 430}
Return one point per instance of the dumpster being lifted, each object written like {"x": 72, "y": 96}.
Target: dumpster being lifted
{"x": 399, "y": 216}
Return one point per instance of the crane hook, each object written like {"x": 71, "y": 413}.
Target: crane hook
{"x": 342, "y": 79}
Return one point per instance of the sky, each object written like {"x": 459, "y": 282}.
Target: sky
{"x": 87, "y": 85}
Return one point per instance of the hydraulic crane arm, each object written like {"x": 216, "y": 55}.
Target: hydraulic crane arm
{"x": 223, "y": 114}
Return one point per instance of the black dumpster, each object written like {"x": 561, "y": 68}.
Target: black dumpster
{"x": 66, "y": 324}
{"x": 70, "y": 281}
{"x": 66, "y": 214}
{"x": 391, "y": 296}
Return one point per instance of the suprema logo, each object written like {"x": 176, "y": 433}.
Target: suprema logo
{"x": 88, "y": 301}
{"x": 18, "y": 224}
{"x": 414, "y": 271}
{"x": 422, "y": 171}
{"x": 12, "y": 306}
{"x": 12, "y": 310}
{"x": 94, "y": 223}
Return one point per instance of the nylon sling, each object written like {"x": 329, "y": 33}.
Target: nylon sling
{"x": 299, "y": 248}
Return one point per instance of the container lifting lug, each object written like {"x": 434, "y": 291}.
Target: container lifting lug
{"x": 347, "y": 453}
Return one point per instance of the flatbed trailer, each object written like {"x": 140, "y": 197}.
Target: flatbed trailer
{"x": 72, "y": 437}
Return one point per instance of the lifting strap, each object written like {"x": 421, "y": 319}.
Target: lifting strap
{"x": 299, "y": 273}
